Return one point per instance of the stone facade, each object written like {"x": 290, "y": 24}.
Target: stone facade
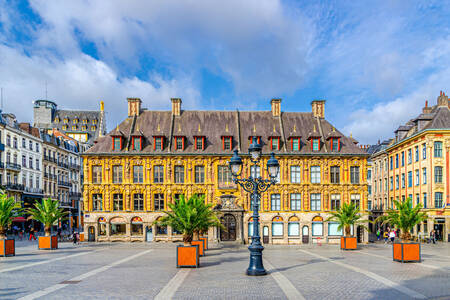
{"x": 152, "y": 157}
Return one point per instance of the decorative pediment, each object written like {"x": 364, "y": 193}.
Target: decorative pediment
{"x": 228, "y": 202}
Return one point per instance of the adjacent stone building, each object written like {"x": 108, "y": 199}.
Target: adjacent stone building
{"x": 153, "y": 157}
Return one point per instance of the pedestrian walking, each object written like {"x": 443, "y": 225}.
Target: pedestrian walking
{"x": 433, "y": 236}
{"x": 32, "y": 236}
{"x": 75, "y": 238}
{"x": 386, "y": 236}
{"x": 392, "y": 236}
{"x": 59, "y": 233}
{"x": 378, "y": 234}
{"x": 20, "y": 234}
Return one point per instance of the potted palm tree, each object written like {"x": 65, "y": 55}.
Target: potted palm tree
{"x": 347, "y": 215}
{"x": 405, "y": 217}
{"x": 8, "y": 211}
{"x": 48, "y": 212}
{"x": 189, "y": 216}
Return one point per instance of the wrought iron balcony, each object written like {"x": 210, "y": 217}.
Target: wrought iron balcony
{"x": 64, "y": 183}
{"x": 14, "y": 187}
{"x": 33, "y": 190}
{"x": 13, "y": 166}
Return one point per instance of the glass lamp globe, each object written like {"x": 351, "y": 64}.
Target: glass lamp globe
{"x": 235, "y": 164}
{"x": 273, "y": 167}
{"x": 255, "y": 149}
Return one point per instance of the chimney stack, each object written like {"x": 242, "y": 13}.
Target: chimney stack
{"x": 426, "y": 109}
{"x": 134, "y": 106}
{"x": 176, "y": 106}
{"x": 318, "y": 108}
{"x": 442, "y": 100}
{"x": 276, "y": 107}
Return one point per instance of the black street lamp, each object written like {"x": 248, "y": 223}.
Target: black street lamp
{"x": 255, "y": 186}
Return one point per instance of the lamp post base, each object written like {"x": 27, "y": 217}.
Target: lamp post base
{"x": 256, "y": 267}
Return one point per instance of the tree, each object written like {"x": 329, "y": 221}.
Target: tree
{"x": 347, "y": 215}
{"x": 404, "y": 217}
{"x": 8, "y": 211}
{"x": 189, "y": 217}
{"x": 47, "y": 212}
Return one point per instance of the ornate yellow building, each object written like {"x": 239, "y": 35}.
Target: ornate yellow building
{"x": 153, "y": 157}
{"x": 415, "y": 164}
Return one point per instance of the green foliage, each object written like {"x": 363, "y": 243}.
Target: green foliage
{"x": 189, "y": 216}
{"x": 347, "y": 215}
{"x": 8, "y": 211}
{"x": 404, "y": 217}
{"x": 47, "y": 212}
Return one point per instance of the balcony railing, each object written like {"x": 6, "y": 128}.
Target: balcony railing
{"x": 63, "y": 165}
{"x": 74, "y": 166}
{"x": 33, "y": 190}
{"x": 13, "y": 166}
{"x": 64, "y": 183}
{"x": 14, "y": 187}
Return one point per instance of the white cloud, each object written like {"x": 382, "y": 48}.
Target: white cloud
{"x": 80, "y": 83}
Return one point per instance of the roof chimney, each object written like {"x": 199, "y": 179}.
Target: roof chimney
{"x": 134, "y": 106}
{"x": 442, "y": 100}
{"x": 318, "y": 108}
{"x": 276, "y": 107}
{"x": 426, "y": 109}
{"x": 176, "y": 106}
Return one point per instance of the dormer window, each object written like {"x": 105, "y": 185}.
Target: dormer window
{"x": 64, "y": 127}
{"x": 335, "y": 144}
{"x": 74, "y": 127}
{"x": 258, "y": 139}
{"x": 199, "y": 142}
{"x": 93, "y": 128}
{"x": 66, "y": 120}
{"x": 227, "y": 142}
{"x": 117, "y": 143}
{"x": 295, "y": 144}
{"x": 75, "y": 121}
{"x": 56, "y": 120}
{"x": 94, "y": 121}
{"x": 158, "y": 142}
{"x": 274, "y": 143}
{"x": 136, "y": 143}
{"x": 179, "y": 142}
{"x": 315, "y": 144}
{"x": 85, "y": 121}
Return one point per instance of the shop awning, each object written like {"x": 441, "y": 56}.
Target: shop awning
{"x": 19, "y": 219}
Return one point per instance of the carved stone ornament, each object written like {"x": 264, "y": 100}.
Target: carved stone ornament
{"x": 229, "y": 203}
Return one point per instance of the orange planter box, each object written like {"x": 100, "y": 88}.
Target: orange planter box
{"x": 205, "y": 239}
{"x": 7, "y": 248}
{"x": 81, "y": 237}
{"x": 201, "y": 249}
{"x": 48, "y": 242}
{"x": 188, "y": 256}
{"x": 348, "y": 243}
{"x": 406, "y": 252}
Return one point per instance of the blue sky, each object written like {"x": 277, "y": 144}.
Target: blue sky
{"x": 375, "y": 62}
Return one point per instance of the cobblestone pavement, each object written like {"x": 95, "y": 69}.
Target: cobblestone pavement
{"x": 146, "y": 271}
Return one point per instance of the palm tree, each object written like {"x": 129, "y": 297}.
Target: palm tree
{"x": 47, "y": 212}
{"x": 404, "y": 217}
{"x": 189, "y": 217}
{"x": 8, "y": 211}
{"x": 347, "y": 215}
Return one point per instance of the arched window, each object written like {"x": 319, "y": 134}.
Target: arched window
{"x": 294, "y": 226}
{"x": 317, "y": 226}
{"x": 277, "y": 226}
{"x": 101, "y": 226}
{"x": 118, "y": 226}
{"x": 136, "y": 226}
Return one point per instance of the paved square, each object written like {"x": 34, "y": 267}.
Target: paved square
{"x": 146, "y": 271}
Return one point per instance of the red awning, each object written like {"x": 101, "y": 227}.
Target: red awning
{"x": 19, "y": 219}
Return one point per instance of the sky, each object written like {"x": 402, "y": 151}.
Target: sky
{"x": 374, "y": 62}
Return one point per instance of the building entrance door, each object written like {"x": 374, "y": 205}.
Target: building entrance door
{"x": 439, "y": 230}
{"x": 305, "y": 235}
{"x": 265, "y": 235}
{"x": 91, "y": 234}
{"x": 359, "y": 234}
{"x": 229, "y": 222}
{"x": 149, "y": 234}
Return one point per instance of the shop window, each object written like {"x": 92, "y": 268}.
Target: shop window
{"x": 317, "y": 226}
{"x": 294, "y": 226}
{"x": 136, "y": 226}
{"x": 277, "y": 226}
{"x": 333, "y": 229}
{"x": 118, "y": 226}
{"x": 161, "y": 230}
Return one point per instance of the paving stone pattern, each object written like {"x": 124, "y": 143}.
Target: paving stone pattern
{"x": 222, "y": 272}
